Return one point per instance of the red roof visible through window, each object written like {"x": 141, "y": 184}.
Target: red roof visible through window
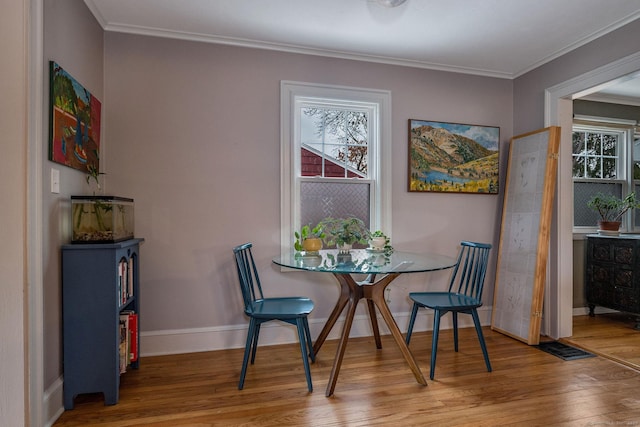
{"x": 311, "y": 165}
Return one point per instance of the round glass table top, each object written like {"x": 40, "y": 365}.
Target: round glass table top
{"x": 365, "y": 261}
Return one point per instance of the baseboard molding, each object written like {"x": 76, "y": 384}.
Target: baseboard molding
{"x": 53, "y": 405}
{"x": 177, "y": 341}
{"x": 581, "y": 311}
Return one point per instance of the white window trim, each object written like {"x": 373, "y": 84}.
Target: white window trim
{"x": 381, "y": 199}
{"x": 623, "y": 155}
{"x": 625, "y": 167}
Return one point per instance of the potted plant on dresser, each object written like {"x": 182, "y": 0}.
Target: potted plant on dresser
{"x": 611, "y": 208}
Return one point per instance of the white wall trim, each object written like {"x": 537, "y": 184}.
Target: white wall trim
{"x": 178, "y": 341}
{"x": 290, "y": 91}
{"x": 53, "y": 402}
{"x": 35, "y": 275}
{"x": 583, "y": 311}
{"x": 558, "y": 109}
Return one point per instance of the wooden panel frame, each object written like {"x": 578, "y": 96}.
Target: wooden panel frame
{"x": 525, "y": 232}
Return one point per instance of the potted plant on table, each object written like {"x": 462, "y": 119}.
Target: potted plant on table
{"x": 309, "y": 239}
{"x": 611, "y": 209}
{"x": 344, "y": 232}
{"x": 380, "y": 242}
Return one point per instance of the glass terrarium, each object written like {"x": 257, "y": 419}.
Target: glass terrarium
{"x": 101, "y": 219}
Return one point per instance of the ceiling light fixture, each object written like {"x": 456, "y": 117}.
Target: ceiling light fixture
{"x": 390, "y": 3}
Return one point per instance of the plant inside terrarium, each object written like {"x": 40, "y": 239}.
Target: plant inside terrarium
{"x": 100, "y": 218}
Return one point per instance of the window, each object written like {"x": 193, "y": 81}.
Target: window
{"x": 335, "y": 153}
{"x": 605, "y": 160}
{"x": 635, "y": 150}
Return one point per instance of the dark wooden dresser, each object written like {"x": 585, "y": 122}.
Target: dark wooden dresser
{"x": 613, "y": 272}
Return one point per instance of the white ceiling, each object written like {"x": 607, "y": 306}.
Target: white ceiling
{"x": 498, "y": 38}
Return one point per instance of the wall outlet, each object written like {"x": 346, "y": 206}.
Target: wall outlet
{"x": 387, "y": 295}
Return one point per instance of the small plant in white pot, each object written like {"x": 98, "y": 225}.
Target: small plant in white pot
{"x": 611, "y": 208}
{"x": 380, "y": 242}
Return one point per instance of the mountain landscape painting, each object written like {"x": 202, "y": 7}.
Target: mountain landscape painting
{"x": 453, "y": 157}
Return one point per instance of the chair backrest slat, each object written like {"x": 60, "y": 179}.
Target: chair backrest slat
{"x": 470, "y": 270}
{"x": 247, "y": 275}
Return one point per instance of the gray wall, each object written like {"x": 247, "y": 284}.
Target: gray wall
{"x": 193, "y": 136}
{"x": 74, "y": 40}
{"x": 606, "y": 109}
{"x": 528, "y": 103}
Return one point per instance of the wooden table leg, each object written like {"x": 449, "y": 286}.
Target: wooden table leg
{"x": 351, "y": 292}
{"x": 343, "y": 299}
{"x": 374, "y": 324}
{"x": 355, "y": 294}
{"x": 375, "y": 293}
{"x": 370, "y": 280}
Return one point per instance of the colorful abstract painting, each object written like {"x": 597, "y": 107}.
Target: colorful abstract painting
{"x": 74, "y": 122}
{"x": 453, "y": 157}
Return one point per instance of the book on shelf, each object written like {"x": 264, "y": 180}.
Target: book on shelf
{"x": 130, "y": 277}
{"x": 125, "y": 280}
{"x": 133, "y": 336}
{"x": 128, "y": 338}
{"x": 123, "y": 345}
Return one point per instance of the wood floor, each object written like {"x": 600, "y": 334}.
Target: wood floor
{"x": 526, "y": 388}
{"x": 612, "y": 335}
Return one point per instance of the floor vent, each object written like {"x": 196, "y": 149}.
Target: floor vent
{"x": 564, "y": 351}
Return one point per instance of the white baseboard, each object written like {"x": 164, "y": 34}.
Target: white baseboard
{"x": 581, "y": 311}
{"x": 53, "y": 405}
{"x": 176, "y": 341}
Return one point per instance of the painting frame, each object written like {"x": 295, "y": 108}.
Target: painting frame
{"x": 74, "y": 122}
{"x": 449, "y": 157}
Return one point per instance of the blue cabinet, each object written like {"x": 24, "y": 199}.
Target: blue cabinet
{"x": 100, "y": 282}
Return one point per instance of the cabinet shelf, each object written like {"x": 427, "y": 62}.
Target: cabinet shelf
{"x": 96, "y": 289}
{"x": 613, "y": 272}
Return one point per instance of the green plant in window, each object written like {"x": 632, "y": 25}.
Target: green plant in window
{"x": 610, "y": 207}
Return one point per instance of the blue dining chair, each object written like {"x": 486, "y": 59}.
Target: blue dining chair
{"x": 293, "y": 310}
{"x": 464, "y": 296}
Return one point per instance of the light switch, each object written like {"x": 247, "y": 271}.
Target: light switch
{"x": 55, "y": 181}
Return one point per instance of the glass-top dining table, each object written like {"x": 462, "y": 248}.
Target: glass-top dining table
{"x": 380, "y": 268}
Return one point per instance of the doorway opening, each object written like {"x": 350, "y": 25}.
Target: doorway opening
{"x": 558, "y": 322}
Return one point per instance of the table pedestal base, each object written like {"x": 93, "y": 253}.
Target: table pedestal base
{"x": 351, "y": 292}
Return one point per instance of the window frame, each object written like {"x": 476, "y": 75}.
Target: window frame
{"x": 624, "y": 168}
{"x": 379, "y": 146}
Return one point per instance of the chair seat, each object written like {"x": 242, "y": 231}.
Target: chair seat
{"x": 444, "y": 300}
{"x": 281, "y": 308}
